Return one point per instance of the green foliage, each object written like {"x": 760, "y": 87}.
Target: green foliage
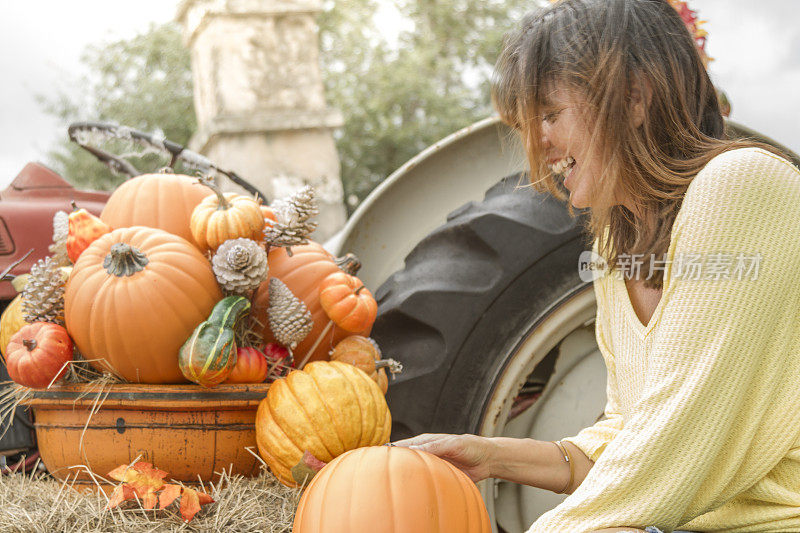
{"x": 144, "y": 82}
{"x": 397, "y": 96}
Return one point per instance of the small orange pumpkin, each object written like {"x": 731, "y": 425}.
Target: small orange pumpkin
{"x": 221, "y": 217}
{"x": 251, "y": 366}
{"x": 37, "y": 354}
{"x": 84, "y": 229}
{"x": 364, "y": 353}
{"x": 348, "y": 302}
{"x": 417, "y": 490}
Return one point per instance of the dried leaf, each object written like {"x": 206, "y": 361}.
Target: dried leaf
{"x": 121, "y": 493}
{"x": 149, "y": 500}
{"x": 168, "y": 495}
{"x": 191, "y": 501}
{"x": 142, "y": 479}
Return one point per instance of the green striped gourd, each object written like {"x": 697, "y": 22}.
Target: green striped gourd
{"x": 209, "y": 355}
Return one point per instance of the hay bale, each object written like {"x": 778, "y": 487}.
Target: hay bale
{"x": 39, "y": 503}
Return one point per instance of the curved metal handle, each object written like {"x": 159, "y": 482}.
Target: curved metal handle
{"x": 176, "y": 152}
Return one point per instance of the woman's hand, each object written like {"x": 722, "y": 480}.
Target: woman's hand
{"x": 470, "y": 453}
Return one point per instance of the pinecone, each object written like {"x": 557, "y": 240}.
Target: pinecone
{"x": 240, "y": 266}
{"x": 60, "y": 234}
{"x": 43, "y": 295}
{"x": 289, "y": 319}
{"x": 292, "y": 227}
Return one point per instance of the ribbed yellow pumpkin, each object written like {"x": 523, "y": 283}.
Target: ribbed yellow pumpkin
{"x": 327, "y": 408}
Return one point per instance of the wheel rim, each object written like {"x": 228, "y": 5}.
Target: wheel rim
{"x": 572, "y": 397}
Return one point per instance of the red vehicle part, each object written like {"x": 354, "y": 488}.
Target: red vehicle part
{"x": 27, "y": 207}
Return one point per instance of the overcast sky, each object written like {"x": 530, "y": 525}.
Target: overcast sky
{"x": 755, "y": 43}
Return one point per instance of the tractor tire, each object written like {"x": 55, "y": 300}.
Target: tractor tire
{"x": 467, "y": 295}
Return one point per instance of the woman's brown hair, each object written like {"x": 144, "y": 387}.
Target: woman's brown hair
{"x": 603, "y": 49}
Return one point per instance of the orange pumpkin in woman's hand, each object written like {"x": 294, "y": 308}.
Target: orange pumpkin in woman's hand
{"x": 417, "y": 490}
{"x": 348, "y": 302}
{"x": 37, "y": 354}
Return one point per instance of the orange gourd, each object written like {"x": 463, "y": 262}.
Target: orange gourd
{"x": 134, "y": 297}
{"x": 363, "y": 353}
{"x": 164, "y": 201}
{"x": 221, "y": 217}
{"x": 414, "y": 490}
{"x": 348, "y": 302}
{"x": 251, "y": 366}
{"x": 84, "y": 229}
{"x": 303, "y": 272}
{"x": 326, "y": 409}
{"x": 37, "y": 354}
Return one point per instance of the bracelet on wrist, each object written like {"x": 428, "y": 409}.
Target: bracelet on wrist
{"x": 568, "y": 458}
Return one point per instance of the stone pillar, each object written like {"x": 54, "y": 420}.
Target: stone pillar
{"x": 259, "y": 98}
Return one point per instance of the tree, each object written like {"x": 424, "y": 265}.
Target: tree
{"x": 397, "y": 98}
{"x": 144, "y": 82}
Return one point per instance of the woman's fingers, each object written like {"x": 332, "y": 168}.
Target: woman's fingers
{"x": 419, "y": 439}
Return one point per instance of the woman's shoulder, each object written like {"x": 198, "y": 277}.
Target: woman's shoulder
{"x": 746, "y": 166}
{"x": 743, "y": 178}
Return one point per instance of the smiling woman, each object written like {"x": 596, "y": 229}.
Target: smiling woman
{"x": 701, "y": 420}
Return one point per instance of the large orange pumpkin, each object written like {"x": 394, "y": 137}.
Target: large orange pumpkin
{"x": 383, "y": 489}
{"x": 302, "y": 273}
{"x": 135, "y": 312}
{"x": 326, "y": 409}
{"x": 163, "y": 201}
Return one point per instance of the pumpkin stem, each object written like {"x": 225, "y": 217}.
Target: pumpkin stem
{"x": 395, "y": 367}
{"x": 74, "y": 205}
{"x": 221, "y": 200}
{"x": 289, "y": 251}
{"x": 124, "y": 260}
{"x": 349, "y": 264}
{"x": 30, "y": 344}
{"x": 362, "y": 287}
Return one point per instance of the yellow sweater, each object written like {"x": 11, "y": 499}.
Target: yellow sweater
{"x": 703, "y": 413}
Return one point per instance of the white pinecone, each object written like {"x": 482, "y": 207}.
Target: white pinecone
{"x": 240, "y": 266}
{"x": 60, "y": 233}
{"x": 292, "y": 226}
{"x": 289, "y": 318}
{"x": 43, "y": 295}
